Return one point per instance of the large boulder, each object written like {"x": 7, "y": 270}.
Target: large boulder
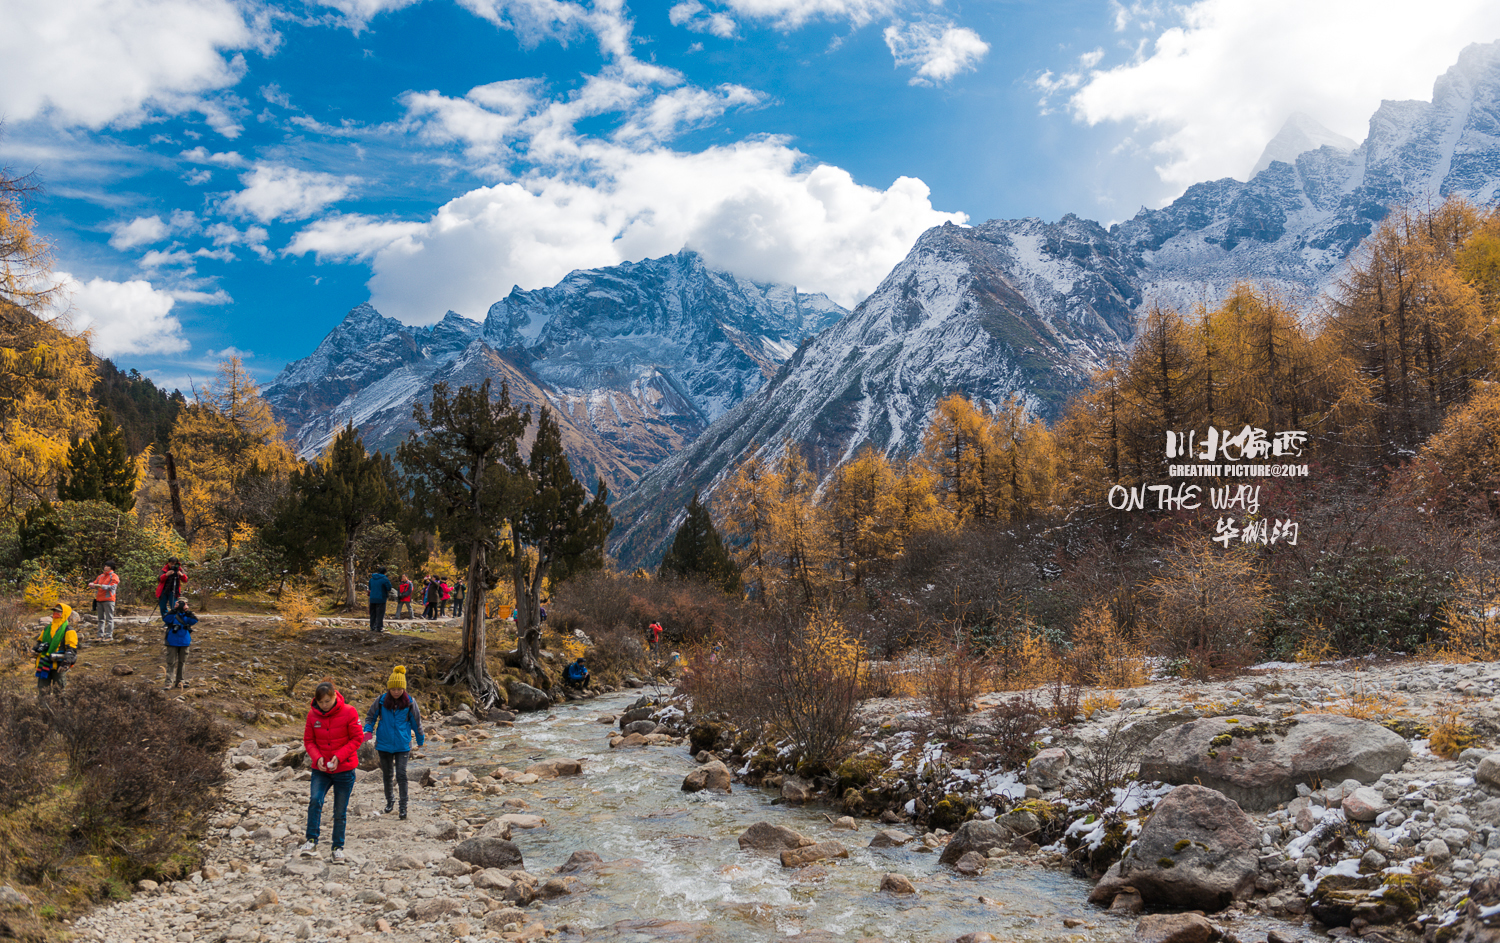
{"x": 1488, "y": 771}
{"x": 1046, "y": 769}
{"x": 489, "y": 853}
{"x": 763, "y": 836}
{"x": 711, "y": 775}
{"x": 978, "y": 836}
{"x": 523, "y": 697}
{"x": 1259, "y": 763}
{"x": 1197, "y": 851}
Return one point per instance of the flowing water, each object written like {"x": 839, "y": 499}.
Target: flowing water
{"x": 677, "y": 861}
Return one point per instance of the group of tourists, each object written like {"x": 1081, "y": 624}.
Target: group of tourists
{"x": 438, "y": 597}
{"x": 56, "y": 646}
{"x": 332, "y": 736}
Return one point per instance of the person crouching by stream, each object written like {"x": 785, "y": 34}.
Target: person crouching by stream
{"x": 394, "y": 720}
{"x": 332, "y": 737}
{"x": 56, "y": 651}
{"x": 179, "y": 639}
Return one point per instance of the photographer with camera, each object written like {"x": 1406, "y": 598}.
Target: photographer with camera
{"x": 56, "y": 649}
{"x": 179, "y": 638}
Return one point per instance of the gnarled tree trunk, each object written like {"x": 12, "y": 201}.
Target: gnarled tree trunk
{"x": 470, "y": 668}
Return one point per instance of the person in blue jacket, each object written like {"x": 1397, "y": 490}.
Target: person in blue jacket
{"x": 179, "y": 621}
{"x": 576, "y": 675}
{"x": 394, "y": 719}
{"x": 381, "y": 592}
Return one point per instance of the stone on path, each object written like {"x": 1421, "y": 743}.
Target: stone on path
{"x": 1259, "y": 763}
{"x": 1488, "y": 771}
{"x": 1364, "y": 805}
{"x": 489, "y": 853}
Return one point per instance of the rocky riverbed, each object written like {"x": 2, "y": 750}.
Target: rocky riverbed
{"x": 558, "y": 826}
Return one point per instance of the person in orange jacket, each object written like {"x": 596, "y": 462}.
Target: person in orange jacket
{"x": 105, "y": 586}
{"x": 332, "y": 737}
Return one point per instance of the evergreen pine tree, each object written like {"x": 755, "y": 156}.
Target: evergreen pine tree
{"x": 560, "y": 527}
{"x": 100, "y": 468}
{"x": 332, "y": 502}
{"x": 697, "y": 552}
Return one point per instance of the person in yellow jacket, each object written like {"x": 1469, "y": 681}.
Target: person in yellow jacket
{"x": 56, "y": 650}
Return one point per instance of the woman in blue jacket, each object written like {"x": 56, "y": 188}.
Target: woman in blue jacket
{"x": 394, "y": 719}
{"x": 179, "y": 621}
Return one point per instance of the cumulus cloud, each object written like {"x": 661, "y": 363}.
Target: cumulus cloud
{"x": 144, "y": 230}
{"x": 754, "y": 208}
{"x": 202, "y": 155}
{"x": 141, "y": 231}
{"x": 124, "y": 318}
{"x": 275, "y": 191}
{"x": 93, "y": 62}
{"x": 699, "y": 19}
{"x": 1214, "y": 80}
{"x": 937, "y": 50}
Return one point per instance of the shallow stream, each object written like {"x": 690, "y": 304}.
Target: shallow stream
{"x": 679, "y": 863}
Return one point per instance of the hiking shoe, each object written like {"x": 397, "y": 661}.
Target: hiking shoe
{"x": 338, "y": 854}
{"x": 389, "y": 808}
{"x": 403, "y": 815}
{"x": 308, "y": 849}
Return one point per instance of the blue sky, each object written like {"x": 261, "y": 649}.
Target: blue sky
{"x": 225, "y": 175}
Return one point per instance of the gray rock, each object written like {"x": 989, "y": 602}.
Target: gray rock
{"x": 524, "y": 697}
{"x": 896, "y": 884}
{"x": 1488, "y": 771}
{"x": 1364, "y": 804}
{"x": 460, "y": 719}
{"x": 489, "y": 852}
{"x": 1175, "y": 928}
{"x": 1437, "y": 850}
{"x": 796, "y": 790}
{"x": 807, "y": 854}
{"x": 1260, "y": 763}
{"x": 978, "y": 836}
{"x": 713, "y": 775}
{"x": 369, "y": 757}
{"x": 11, "y": 898}
{"x": 763, "y": 836}
{"x": 1197, "y": 851}
{"x": 642, "y": 727}
{"x": 889, "y": 838}
{"x": 1046, "y": 769}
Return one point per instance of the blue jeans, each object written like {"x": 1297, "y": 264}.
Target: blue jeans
{"x": 166, "y": 601}
{"x": 343, "y": 785}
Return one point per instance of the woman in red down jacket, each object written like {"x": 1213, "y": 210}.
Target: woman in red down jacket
{"x": 332, "y": 737}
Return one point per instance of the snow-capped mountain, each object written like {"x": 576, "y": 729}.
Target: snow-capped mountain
{"x": 1026, "y": 308}
{"x": 635, "y": 360}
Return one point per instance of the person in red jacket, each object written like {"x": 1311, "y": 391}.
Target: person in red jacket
{"x": 171, "y": 584}
{"x": 403, "y": 597}
{"x": 332, "y": 737}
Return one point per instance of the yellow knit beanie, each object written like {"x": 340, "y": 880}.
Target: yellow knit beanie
{"x": 397, "y": 680}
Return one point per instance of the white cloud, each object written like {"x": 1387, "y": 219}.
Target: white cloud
{"x": 275, "y": 191}
{"x": 124, "y": 318}
{"x": 93, "y": 62}
{"x": 228, "y": 352}
{"x": 937, "y": 50}
{"x": 202, "y": 155}
{"x": 790, "y": 14}
{"x": 752, "y": 208}
{"x": 696, "y": 17}
{"x": 144, "y": 230}
{"x": 358, "y": 13}
{"x": 141, "y": 231}
{"x": 1210, "y": 91}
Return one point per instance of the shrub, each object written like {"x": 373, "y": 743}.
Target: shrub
{"x": 1371, "y": 600}
{"x": 1208, "y": 608}
{"x": 1106, "y": 657}
{"x": 1108, "y": 762}
{"x": 948, "y": 680}
{"x": 1014, "y": 724}
{"x": 23, "y": 727}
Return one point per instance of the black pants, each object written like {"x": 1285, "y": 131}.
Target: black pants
{"x": 393, "y": 765}
{"x": 458, "y": 608}
{"x": 377, "y": 616}
{"x": 429, "y": 611}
